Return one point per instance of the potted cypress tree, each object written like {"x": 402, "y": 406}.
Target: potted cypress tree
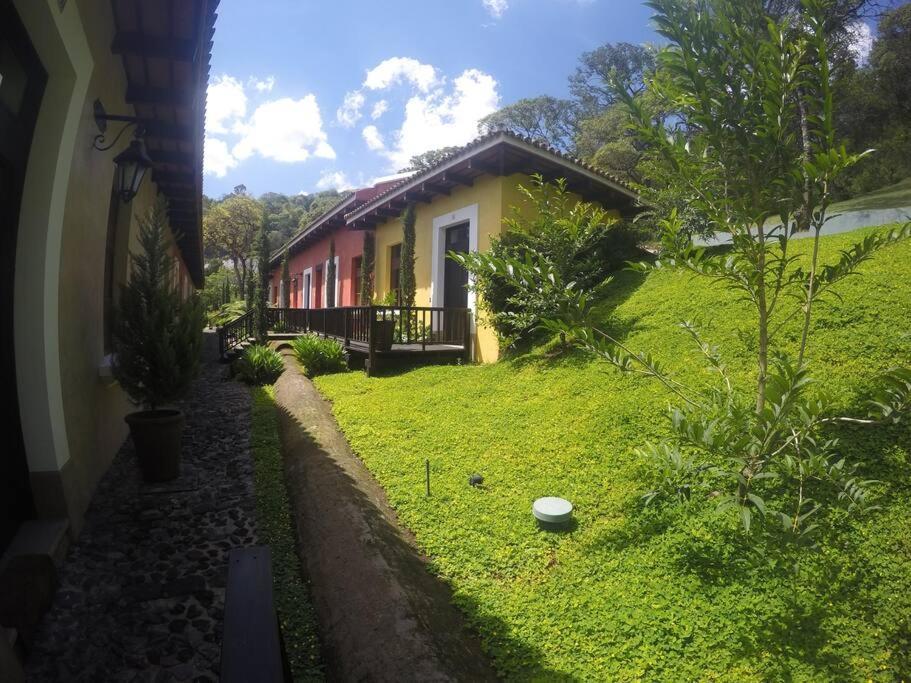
{"x": 157, "y": 343}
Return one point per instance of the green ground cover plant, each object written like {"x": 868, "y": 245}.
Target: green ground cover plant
{"x": 292, "y": 592}
{"x": 664, "y": 591}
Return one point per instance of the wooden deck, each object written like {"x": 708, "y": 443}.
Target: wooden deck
{"x": 417, "y": 334}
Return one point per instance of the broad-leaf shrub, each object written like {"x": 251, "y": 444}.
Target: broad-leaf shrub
{"x": 319, "y": 356}
{"x": 260, "y": 364}
{"x": 577, "y": 243}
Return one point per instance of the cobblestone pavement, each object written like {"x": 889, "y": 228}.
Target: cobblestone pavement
{"x": 141, "y": 594}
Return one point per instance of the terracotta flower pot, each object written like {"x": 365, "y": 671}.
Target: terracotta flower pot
{"x": 156, "y": 435}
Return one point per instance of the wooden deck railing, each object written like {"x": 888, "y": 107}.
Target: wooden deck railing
{"x": 370, "y": 328}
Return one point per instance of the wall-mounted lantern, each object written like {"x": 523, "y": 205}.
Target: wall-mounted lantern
{"x": 133, "y": 162}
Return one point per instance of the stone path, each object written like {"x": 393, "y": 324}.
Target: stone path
{"x": 382, "y": 615}
{"x": 141, "y": 593}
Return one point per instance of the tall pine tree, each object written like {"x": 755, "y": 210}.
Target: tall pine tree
{"x": 367, "y": 264}
{"x": 286, "y": 282}
{"x": 407, "y": 287}
{"x": 260, "y": 293}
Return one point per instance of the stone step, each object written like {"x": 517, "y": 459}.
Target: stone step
{"x": 40, "y": 537}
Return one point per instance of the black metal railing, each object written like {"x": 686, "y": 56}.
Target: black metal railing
{"x": 235, "y": 333}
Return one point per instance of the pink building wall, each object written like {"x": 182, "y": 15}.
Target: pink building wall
{"x": 349, "y": 244}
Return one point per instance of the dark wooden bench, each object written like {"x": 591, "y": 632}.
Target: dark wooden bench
{"x": 251, "y": 646}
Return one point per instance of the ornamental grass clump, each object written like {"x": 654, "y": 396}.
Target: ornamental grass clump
{"x": 260, "y": 364}
{"x": 319, "y": 356}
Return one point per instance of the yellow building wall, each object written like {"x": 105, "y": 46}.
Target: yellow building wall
{"x": 487, "y": 194}
{"x": 495, "y": 197}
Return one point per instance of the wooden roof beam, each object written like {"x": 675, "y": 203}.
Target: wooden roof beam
{"x": 161, "y": 156}
{"x": 126, "y": 43}
{"x": 137, "y": 94}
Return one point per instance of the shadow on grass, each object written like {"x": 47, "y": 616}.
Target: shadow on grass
{"x": 382, "y": 613}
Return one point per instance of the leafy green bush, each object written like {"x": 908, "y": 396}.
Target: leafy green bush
{"x": 226, "y": 313}
{"x": 576, "y": 242}
{"x": 259, "y": 364}
{"x": 319, "y": 356}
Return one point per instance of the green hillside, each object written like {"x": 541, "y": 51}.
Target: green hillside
{"x": 663, "y": 593}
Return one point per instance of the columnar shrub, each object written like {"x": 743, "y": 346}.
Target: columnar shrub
{"x": 407, "y": 287}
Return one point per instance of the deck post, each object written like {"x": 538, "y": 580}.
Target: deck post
{"x": 467, "y": 341}
{"x": 371, "y": 341}
{"x": 345, "y": 325}
{"x": 424, "y": 328}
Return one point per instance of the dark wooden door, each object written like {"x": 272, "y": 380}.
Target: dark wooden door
{"x": 22, "y": 80}
{"x": 455, "y": 277}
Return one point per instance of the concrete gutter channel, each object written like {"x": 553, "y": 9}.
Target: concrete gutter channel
{"x": 383, "y": 616}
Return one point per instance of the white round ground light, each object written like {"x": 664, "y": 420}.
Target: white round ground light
{"x": 552, "y": 510}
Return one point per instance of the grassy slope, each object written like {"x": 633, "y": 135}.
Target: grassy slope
{"x": 661, "y": 593}
{"x": 891, "y": 197}
{"x": 292, "y": 597}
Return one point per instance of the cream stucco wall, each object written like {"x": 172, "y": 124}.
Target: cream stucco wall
{"x": 72, "y": 419}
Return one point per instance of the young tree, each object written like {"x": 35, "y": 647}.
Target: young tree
{"x": 407, "y": 287}
{"x": 286, "y": 282}
{"x": 330, "y": 276}
{"x": 738, "y": 79}
{"x": 230, "y": 227}
{"x": 157, "y": 333}
{"x": 368, "y": 260}
{"x": 261, "y": 288}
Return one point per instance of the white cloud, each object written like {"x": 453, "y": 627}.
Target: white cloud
{"x": 379, "y": 109}
{"x": 218, "y": 160}
{"x": 397, "y": 69}
{"x": 336, "y": 180}
{"x": 442, "y": 118}
{"x": 496, "y": 7}
{"x": 373, "y": 138}
{"x": 285, "y": 130}
{"x": 226, "y": 102}
{"x": 264, "y": 85}
{"x": 350, "y": 111}
{"x": 862, "y": 41}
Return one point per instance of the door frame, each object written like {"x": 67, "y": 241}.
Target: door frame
{"x": 307, "y": 287}
{"x": 467, "y": 214}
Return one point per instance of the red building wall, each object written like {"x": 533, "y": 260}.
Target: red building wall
{"x": 349, "y": 245}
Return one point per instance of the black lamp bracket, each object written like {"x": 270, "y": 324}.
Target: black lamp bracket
{"x": 101, "y": 121}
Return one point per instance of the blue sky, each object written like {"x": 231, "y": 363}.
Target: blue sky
{"x": 312, "y": 94}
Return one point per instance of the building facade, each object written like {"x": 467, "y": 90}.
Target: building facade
{"x": 65, "y": 67}
{"x": 460, "y": 204}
